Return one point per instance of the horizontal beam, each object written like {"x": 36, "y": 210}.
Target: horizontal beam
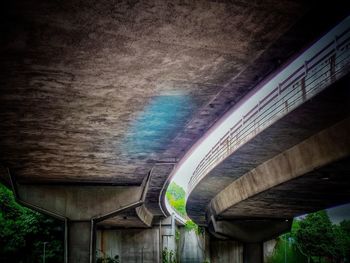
{"x": 327, "y": 146}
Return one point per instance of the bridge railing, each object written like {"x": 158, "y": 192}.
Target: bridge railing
{"x": 178, "y": 218}
{"x": 330, "y": 62}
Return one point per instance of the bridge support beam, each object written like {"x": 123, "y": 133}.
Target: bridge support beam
{"x": 253, "y": 252}
{"x": 79, "y": 241}
{"x": 250, "y": 232}
{"x": 81, "y": 207}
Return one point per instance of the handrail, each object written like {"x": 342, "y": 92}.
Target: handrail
{"x": 178, "y": 218}
{"x": 330, "y": 63}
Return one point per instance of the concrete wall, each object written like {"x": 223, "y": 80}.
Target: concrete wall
{"x": 192, "y": 248}
{"x": 225, "y": 251}
{"x": 132, "y": 245}
{"x": 142, "y": 245}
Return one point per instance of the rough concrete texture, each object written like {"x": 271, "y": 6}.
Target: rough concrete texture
{"x": 79, "y": 203}
{"x": 144, "y": 214}
{"x": 158, "y": 176}
{"x": 127, "y": 219}
{"x": 79, "y": 241}
{"x": 129, "y": 244}
{"x": 135, "y": 244}
{"x": 225, "y": 251}
{"x": 87, "y": 87}
{"x": 326, "y": 109}
{"x": 132, "y": 245}
{"x": 192, "y": 247}
{"x": 250, "y": 230}
{"x": 90, "y": 81}
{"x": 321, "y": 188}
{"x": 102, "y": 92}
{"x": 253, "y": 253}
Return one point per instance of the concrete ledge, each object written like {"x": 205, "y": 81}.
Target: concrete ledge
{"x": 145, "y": 216}
{"x": 79, "y": 202}
{"x": 252, "y": 231}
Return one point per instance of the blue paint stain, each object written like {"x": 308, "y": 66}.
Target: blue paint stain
{"x": 158, "y": 124}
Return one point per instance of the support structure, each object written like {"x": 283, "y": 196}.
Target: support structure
{"x": 81, "y": 207}
{"x": 251, "y": 232}
{"x": 79, "y": 241}
{"x": 253, "y": 253}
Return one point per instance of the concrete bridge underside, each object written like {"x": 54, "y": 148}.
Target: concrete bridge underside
{"x": 298, "y": 165}
{"x": 100, "y": 100}
{"x": 323, "y": 111}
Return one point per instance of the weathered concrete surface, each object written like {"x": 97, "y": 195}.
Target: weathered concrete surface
{"x": 89, "y": 83}
{"x": 82, "y": 207}
{"x": 79, "y": 241}
{"x": 326, "y": 109}
{"x": 85, "y": 81}
{"x": 225, "y": 251}
{"x": 253, "y": 252}
{"x": 158, "y": 176}
{"x": 322, "y": 149}
{"x": 144, "y": 214}
{"x": 135, "y": 244}
{"x": 192, "y": 247}
{"x": 100, "y": 93}
{"x": 132, "y": 245}
{"x": 319, "y": 189}
{"x": 79, "y": 203}
{"x": 127, "y": 219}
{"x": 307, "y": 177}
{"x": 251, "y": 230}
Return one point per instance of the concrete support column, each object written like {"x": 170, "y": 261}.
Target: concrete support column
{"x": 79, "y": 238}
{"x": 253, "y": 253}
{"x": 81, "y": 207}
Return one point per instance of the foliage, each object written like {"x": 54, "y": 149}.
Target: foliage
{"x": 342, "y": 240}
{"x": 345, "y": 232}
{"x": 176, "y": 197}
{"x": 108, "y": 259}
{"x": 22, "y": 233}
{"x": 177, "y": 235}
{"x": 284, "y": 244}
{"x": 168, "y": 256}
{"x": 314, "y": 239}
{"x": 192, "y": 226}
{"x": 315, "y": 235}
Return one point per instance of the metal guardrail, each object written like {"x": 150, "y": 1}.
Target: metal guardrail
{"x": 330, "y": 63}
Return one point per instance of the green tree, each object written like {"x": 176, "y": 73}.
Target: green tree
{"x": 342, "y": 241}
{"x": 314, "y": 239}
{"x": 22, "y": 233}
{"x": 286, "y": 249}
{"x": 315, "y": 236}
{"x": 176, "y": 197}
{"x": 340, "y": 246}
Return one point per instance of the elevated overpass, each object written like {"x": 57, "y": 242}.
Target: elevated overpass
{"x": 100, "y": 102}
{"x": 285, "y": 154}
